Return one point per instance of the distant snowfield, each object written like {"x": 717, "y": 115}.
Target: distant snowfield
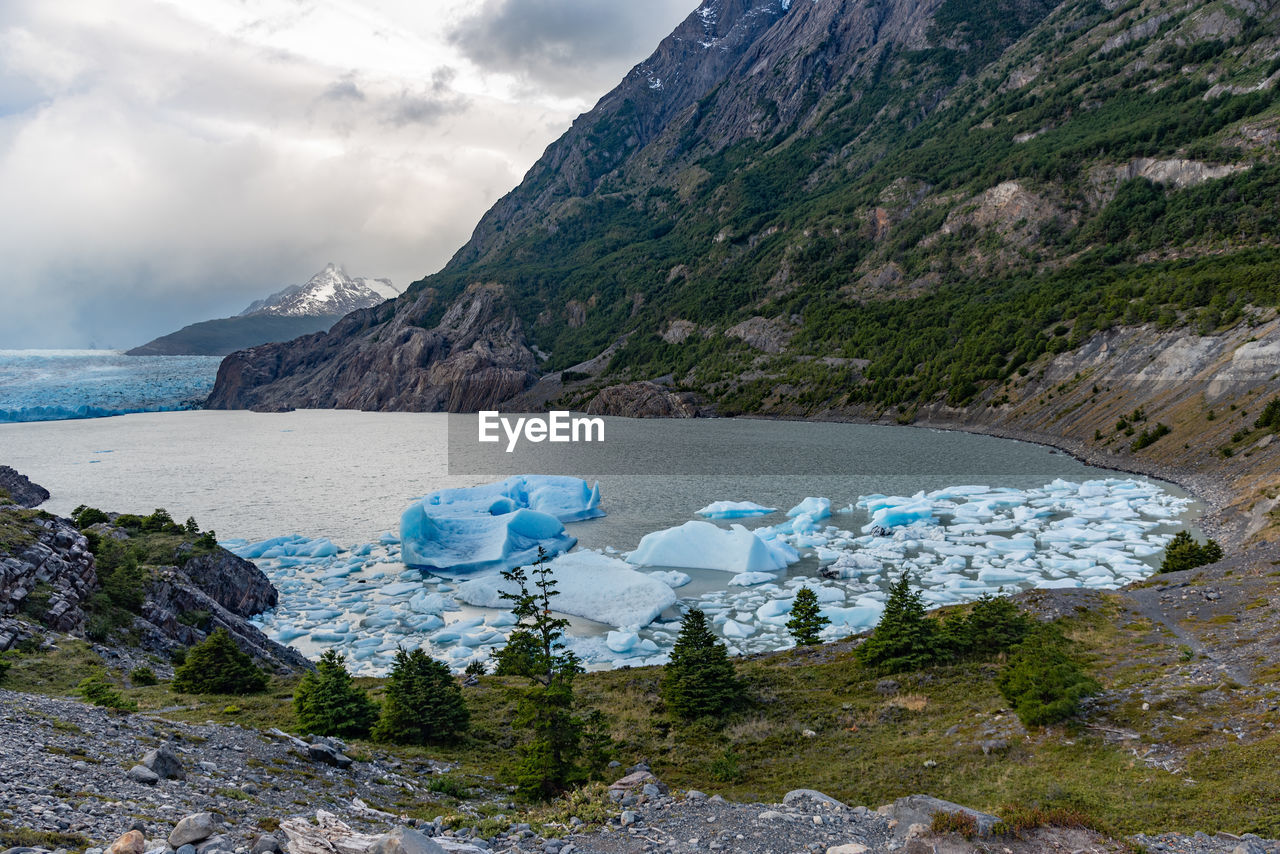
{"x": 956, "y": 543}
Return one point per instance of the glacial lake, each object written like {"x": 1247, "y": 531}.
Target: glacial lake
{"x": 347, "y": 476}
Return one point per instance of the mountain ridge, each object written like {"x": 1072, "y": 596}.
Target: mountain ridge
{"x": 291, "y": 312}
{"x": 908, "y": 211}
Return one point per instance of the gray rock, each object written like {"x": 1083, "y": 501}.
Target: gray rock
{"x": 265, "y": 844}
{"x": 919, "y": 809}
{"x": 165, "y": 763}
{"x": 404, "y": 840}
{"x": 186, "y": 849}
{"x": 629, "y": 818}
{"x": 812, "y": 795}
{"x": 193, "y": 828}
{"x": 143, "y": 774}
{"x": 328, "y": 755}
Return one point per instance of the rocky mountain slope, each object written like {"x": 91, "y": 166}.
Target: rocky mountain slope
{"x": 296, "y": 310}
{"x": 928, "y": 212}
{"x": 50, "y": 582}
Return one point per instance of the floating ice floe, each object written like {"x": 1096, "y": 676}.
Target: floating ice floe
{"x": 495, "y": 526}
{"x": 703, "y": 545}
{"x": 735, "y": 510}
{"x": 590, "y": 585}
{"x": 955, "y": 544}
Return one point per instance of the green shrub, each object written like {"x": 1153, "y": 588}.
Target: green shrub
{"x": 806, "y": 621}
{"x": 1183, "y": 552}
{"x": 1043, "y": 681}
{"x": 85, "y": 516}
{"x": 422, "y": 704}
{"x": 699, "y": 679}
{"x": 197, "y": 619}
{"x": 4, "y": 667}
{"x": 97, "y": 691}
{"x": 328, "y": 703}
{"x": 1149, "y": 437}
{"x": 1270, "y": 417}
{"x": 905, "y": 638}
{"x": 143, "y": 675}
{"x": 217, "y": 666}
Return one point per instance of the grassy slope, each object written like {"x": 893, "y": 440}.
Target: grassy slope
{"x": 870, "y": 742}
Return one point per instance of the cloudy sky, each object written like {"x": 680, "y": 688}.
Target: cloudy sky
{"x": 168, "y": 162}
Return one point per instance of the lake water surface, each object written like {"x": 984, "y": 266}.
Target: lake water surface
{"x": 347, "y": 476}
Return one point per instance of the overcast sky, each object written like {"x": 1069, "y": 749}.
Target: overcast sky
{"x": 163, "y": 162}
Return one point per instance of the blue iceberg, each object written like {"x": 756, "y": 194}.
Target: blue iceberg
{"x": 497, "y": 525}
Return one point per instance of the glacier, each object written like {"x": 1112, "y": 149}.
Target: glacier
{"x": 52, "y": 385}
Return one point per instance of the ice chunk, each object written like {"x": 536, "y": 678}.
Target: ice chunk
{"x": 671, "y": 577}
{"x": 472, "y": 542}
{"x": 814, "y": 508}
{"x": 750, "y": 579}
{"x": 734, "y": 510}
{"x": 590, "y": 585}
{"x": 622, "y": 641}
{"x": 569, "y": 499}
{"x": 734, "y": 629}
{"x": 893, "y": 515}
{"x": 702, "y": 545}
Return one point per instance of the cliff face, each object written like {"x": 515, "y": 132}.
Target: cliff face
{"x": 474, "y": 357}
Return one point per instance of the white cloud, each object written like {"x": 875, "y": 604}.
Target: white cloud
{"x": 166, "y": 162}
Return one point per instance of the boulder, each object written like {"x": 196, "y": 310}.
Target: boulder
{"x": 812, "y": 795}
{"x": 638, "y": 780}
{"x": 143, "y": 774}
{"x": 919, "y": 809}
{"x": 404, "y": 840}
{"x": 196, "y": 827}
{"x": 165, "y": 763}
{"x": 132, "y": 842}
{"x": 328, "y": 755}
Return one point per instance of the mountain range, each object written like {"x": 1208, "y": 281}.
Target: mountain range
{"x": 1048, "y": 218}
{"x": 284, "y": 315}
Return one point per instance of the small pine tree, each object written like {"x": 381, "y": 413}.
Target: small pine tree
{"x": 1042, "y": 680}
{"x": 518, "y": 657}
{"x": 905, "y": 638}
{"x": 597, "y": 744}
{"x": 1183, "y": 552}
{"x": 994, "y": 625}
{"x": 217, "y": 666}
{"x": 806, "y": 621}
{"x": 422, "y": 704}
{"x": 699, "y": 679}
{"x": 549, "y": 755}
{"x": 327, "y": 702}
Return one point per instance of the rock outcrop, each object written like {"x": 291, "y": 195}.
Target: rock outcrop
{"x": 48, "y": 575}
{"x": 475, "y": 357}
{"x": 49, "y": 578}
{"x": 645, "y": 400}
{"x": 233, "y": 582}
{"x": 21, "y": 490}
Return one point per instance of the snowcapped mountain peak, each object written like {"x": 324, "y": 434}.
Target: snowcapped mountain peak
{"x": 329, "y": 292}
